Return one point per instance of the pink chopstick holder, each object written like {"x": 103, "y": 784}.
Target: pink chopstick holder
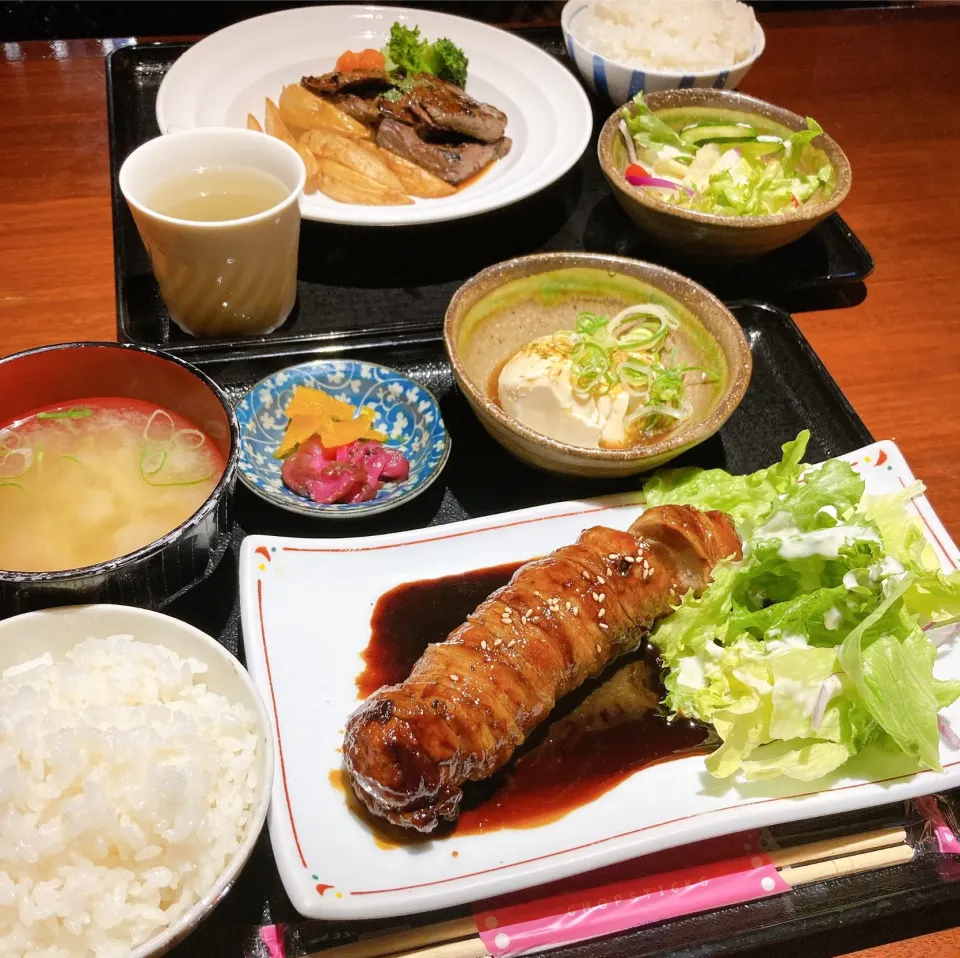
{"x": 579, "y": 915}
{"x": 272, "y": 938}
{"x": 947, "y": 841}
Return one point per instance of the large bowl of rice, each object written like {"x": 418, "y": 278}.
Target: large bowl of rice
{"x": 136, "y": 761}
{"x": 626, "y": 47}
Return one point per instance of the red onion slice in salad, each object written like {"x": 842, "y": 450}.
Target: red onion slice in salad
{"x": 658, "y": 183}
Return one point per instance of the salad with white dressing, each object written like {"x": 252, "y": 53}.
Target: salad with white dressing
{"x": 822, "y": 639}
{"x": 723, "y": 162}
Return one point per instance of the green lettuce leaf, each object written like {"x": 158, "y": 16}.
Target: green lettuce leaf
{"x": 747, "y": 499}
{"x": 811, "y": 647}
{"x": 648, "y": 131}
{"x": 933, "y": 595}
{"x": 797, "y": 143}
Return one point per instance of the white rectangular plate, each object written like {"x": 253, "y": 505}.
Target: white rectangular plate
{"x": 306, "y": 607}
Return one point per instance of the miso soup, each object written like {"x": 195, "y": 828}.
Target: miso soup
{"x": 96, "y": 479}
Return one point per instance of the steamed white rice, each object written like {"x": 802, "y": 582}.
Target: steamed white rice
{"x": 695, "y": 35}
{"x": 125, "y": 788}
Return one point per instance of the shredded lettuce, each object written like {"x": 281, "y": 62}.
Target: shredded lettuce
{"x": 649, "y": 132}
{"x": 812, "y": 646}
{"x": 754, "y": 177}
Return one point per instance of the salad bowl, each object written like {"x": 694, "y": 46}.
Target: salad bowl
{"x": 708, "y": 235}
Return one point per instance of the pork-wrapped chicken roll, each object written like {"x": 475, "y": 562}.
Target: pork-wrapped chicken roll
{"x": 472, "y": 700}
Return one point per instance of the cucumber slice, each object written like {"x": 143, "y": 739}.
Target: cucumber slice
{"x": 757, "y": 149}
{"x": 714, "y": 133}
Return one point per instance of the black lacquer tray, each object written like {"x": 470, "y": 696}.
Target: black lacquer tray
{"x": 380, "y": 294}
{"x": 790, "y": 390}
{"x": 385, "y": 281}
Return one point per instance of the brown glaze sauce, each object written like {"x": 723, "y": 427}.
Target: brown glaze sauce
{"x": 470, "y": 180}
{"x": 600, "y": 734}
{"x": 412, "y": 615}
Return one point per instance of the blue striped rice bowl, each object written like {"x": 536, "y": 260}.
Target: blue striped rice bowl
{"x": 620, "y": 82}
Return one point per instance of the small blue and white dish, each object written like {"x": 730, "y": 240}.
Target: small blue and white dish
{"x": 404, "y": 410}
{"x": 619, "y": 82}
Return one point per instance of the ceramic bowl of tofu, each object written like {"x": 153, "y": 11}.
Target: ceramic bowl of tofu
{"x": 709, "y": 236}
{"x": 494, "y": 318}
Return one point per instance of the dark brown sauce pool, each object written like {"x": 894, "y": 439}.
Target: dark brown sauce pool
{"x": 600, "y": 734}
{"x": 410, "y": 616}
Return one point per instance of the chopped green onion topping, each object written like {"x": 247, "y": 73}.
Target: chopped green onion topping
{"x": 160, "y": 438}
{"x": 626, "y": 352}
{"x": 77, "y": 412}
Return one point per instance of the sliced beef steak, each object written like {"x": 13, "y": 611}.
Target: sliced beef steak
{"x": 452, "y": 162}
{"x": 438, "y": 107}
{"x": 367, "y": 111}
{"x": 356, "y": 92}
{"x": 362, "y": 83}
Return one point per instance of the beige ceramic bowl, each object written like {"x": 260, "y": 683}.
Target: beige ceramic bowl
{"x": 219, "y": 277}
{"x": 706, "y": 235}
{"x": 508, "y": 305}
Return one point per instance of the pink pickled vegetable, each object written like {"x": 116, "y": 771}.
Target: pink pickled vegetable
{"x": 336, "y": 482}
{"x": 303, "y": 466}
{"x": 365, "y": 492}
{"x": 354, "y": 472}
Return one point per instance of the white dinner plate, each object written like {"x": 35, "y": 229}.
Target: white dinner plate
{"x": 227, "y": 75}
{"x": 306, "y": 607}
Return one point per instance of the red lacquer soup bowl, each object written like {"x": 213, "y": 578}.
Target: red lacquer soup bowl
{"x": 161, "y": 571}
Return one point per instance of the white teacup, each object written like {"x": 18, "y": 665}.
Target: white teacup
{"x": 219, "y": 277}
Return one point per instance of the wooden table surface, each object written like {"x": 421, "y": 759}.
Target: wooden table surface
{"x": 883, "y": 83}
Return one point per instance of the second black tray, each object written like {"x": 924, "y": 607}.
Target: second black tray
{"x": 790, "y": 390}
{"x": 387, "y": 281}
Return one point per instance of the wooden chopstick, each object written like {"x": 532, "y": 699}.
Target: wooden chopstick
{"x": 465, "y": 948}
{"x": 798, "y": 865}
{"x": 406, "y": 941}
{"x": 836, "y": 847}
{"x": 834, "y": 868}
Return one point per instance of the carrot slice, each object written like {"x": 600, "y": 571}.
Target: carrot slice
{"x": 316, "y": 402}
{"x": 313, "y": 412}
{"x": 371, "y": 60}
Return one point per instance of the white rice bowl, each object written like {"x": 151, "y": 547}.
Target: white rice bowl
{"x": 682, "y": 35}
{"x": 132, "y": 788}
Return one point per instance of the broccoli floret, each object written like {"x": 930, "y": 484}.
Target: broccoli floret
{"x": 409, "y": 53}
{"x": 451, "y": 62}
{"x": 406, "y": 50}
